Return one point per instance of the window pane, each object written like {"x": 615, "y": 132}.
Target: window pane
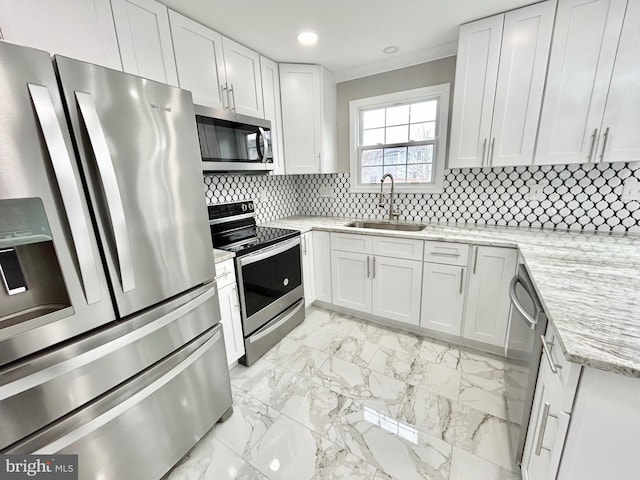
{"x": 422, "y": 131}
{"x": 397, "y": 134}
{"x": 371, "y": 157}
{"x": 393, "y": 156}
{"x": 373, "y": 137}
{"x": 424, "y": 112}
{"x": 420, "y": 154}
{"x": 370, "y": 174}
{"x": 419, "y": 173}
{"x": 373, "y": 118}
{"x": 399, "y": 172}
{"x": 398, "y": 115}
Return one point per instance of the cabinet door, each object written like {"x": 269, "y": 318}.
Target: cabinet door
{"x": 443, "y": 298}
{"x": 242, "y": 66}
{"x": 308, "y": 273}
{"x": 396, "y": 289}
{"x": 81, "y": 29}
{"x": 585, "y": 40}
{"x": 301, "y": 117}
{"x": 322, "y": 265}
{"x": 474, "y": 93}
{"x": 199, "y": 60}
{"x": 273, "y": 110}
{"x": 351, "y": 280}
{"x": 548, "y": 427}
{"x": 622, "y": 115}
{"x": 523, "y": 65}
{"x": 144, "y": 37}
{"x": 487, "y": 312}
{"x": 231, "y": 323}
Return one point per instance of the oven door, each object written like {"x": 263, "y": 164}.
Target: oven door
{"x": 270, "y": 281}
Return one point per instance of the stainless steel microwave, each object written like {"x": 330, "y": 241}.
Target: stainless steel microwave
{"x": 230, "y": 142}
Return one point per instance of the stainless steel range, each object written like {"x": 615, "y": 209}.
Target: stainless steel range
{"x": 269, "y": 274}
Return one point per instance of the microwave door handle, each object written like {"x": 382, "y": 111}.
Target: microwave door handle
{"x": 261, "y": 154}
{"x": 110, "y": 186}
{"x": 69, "y": 190}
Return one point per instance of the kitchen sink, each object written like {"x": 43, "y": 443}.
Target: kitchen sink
{"x": 380, "y": 225}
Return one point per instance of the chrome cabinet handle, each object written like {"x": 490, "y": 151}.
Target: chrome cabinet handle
{"x": 223, "y": 90}
{"x": 604, "y": 144}
{"x": 304, "y": 245}
{"x": 444, "y": 254}
{"x": 484, "y": 151}
{"x": 543, "y": 427}
{"x": 592, "y": 150}
{"x": 368, "y": 273}
{"x": 233, "y": 97}
{"x": 492, "y": 149}
{"x": 69, "y": 190}
{"x": 547, "y": 352}
{"x": 516, "y": 303}
{"x": 374, "y": 267}
{"x": 461, "y": 276}
{"x": 109, "y": 182}
{"x": 475, "y": 261}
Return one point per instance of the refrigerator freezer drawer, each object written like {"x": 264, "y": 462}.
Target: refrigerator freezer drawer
{"x": 168, "y": 408}
{"x": 40, "y": 391}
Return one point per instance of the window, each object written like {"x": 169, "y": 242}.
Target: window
{"x": 403, "y": 134}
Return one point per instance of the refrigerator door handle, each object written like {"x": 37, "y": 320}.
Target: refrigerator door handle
{"x": 110, "y": 186}
{"x": 69, "y": 190}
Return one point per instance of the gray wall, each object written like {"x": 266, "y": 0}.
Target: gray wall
{"x": 423, "y": 75}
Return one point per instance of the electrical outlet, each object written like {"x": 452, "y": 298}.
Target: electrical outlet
{"x": 263, "y": 195}
{"x": 631, "y": 190}
{"x": 326, "y": 192}
{"x": 536, "y": 192}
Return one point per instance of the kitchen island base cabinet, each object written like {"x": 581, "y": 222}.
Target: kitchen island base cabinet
{"x": 487, "y": 311}
{"x": 443, "y": 298}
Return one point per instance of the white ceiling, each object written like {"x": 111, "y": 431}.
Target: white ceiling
{"x": 352, "y": 33}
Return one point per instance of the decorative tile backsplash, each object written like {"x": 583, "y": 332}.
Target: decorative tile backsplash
{"x": 576, "y": 197}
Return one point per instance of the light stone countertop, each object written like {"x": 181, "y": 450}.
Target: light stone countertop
{"x": 589, "y": 283}
{"x": 222, "y": 255}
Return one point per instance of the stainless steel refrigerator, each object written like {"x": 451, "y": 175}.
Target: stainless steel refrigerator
{"x": 110, "y": 346}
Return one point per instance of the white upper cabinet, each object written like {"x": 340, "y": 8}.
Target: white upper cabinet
{"x": 500, "y": 74}
{"x": 199, "y": 60}
{"x": 81, "y": 29}
{"x": 244, "y": 84}
{"x": 308, "y": 118}
{"x": 585, "y": 41}
{"x": 273, "y": 110}
{"x": 144, "y": 37}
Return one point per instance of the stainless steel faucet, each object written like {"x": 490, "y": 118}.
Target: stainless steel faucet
{"x": 393, "y": 214}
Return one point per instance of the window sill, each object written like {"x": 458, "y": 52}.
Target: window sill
{"x": 415, "y": 189}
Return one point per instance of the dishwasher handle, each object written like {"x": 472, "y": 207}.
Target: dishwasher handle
{"x": 518, "y": 306}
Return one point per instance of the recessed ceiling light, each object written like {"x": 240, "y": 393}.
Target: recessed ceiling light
{"x": 391, "y": 49}
{"x": 307, "y": 38}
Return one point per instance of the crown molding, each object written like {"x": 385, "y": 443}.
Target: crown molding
{"x": 398, "y": 61}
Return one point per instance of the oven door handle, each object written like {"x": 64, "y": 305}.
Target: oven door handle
{"x": 285, "y": 317}
{"x": 269, "y": 252}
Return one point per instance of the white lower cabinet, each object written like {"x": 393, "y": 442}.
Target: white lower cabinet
{"x": 322, "y": 265}
{"x": 308, "y": 270}
{"x": 443, "y": 297}
{"x": 230, "y": 311}
{"x": 487, "y": 311}
{"x": 351, "y": 280}
{"x": 396, "y": 289}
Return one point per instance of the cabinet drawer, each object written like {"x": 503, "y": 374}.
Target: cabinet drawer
{"x": 447, "y": 253}
{"x": 398, "y": 247}
{"x": 349, "y": 242}
{"x": 225, "y": 273}
{"x": 564, "y": 374}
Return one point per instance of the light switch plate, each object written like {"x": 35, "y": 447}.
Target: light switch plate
{"x": 536, "y": 192}
{"x": 263, "y": 196}
{"x": 631, "y": 190}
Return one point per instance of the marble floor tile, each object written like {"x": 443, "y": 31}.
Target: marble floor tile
{"x": 480, "y": 433}
{"x": 398, "y": 450}
{"x": 482, "y": 365}
{"x": 249, "y": 421}
{"x": 325, "y": 340}
{"x": 406, "y": 342}
{"x": 371, "y": 388}
{"x": 484, "y": 394}
{"x": 296, "y": 357}
{"x": 211, "y": 460}
{"x": 244, "y": 378}
{"x": 302, "y": 331}
{"x": 466, "y": 466}
{"x": 439, "y": 353}
{"x": 338, "y": 322}
{"x": 428, "y": 411}
{"x": 356, "y": 350}
{"x": 289, "y": 451}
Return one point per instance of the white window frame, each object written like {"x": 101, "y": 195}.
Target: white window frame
{"x": 439, "y": 92}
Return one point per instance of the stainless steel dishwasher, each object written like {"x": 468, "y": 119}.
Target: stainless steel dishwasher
{"x": 527, "y": 323}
